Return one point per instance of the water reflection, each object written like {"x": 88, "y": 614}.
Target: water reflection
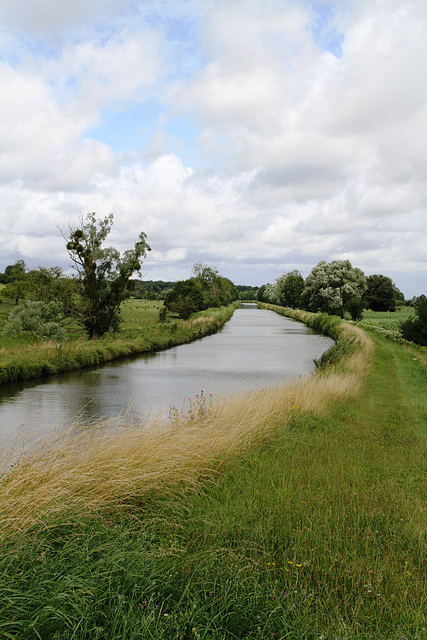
{"x": 255, "y": 348}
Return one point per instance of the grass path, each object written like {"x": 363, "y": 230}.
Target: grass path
{"x": 316, "y": 531}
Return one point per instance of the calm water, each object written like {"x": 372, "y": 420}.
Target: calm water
{"x": 256, "y": 348}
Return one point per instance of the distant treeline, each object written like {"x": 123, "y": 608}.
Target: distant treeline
{"x": 159, "y": 289}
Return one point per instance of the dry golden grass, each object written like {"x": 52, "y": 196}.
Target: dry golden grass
{"x": 110, "y": 463}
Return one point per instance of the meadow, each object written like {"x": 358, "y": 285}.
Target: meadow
{"x": 297, "y": 512}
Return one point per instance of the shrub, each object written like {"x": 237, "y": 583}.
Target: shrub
{"x": 415, "y": 329}
{"x": 37, "y": 321}
{"x": 355, "y": 308}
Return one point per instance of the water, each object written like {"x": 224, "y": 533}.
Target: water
{"x": 256, "y": 348}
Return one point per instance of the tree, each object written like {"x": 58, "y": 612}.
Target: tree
{"x": 355, "y": 308}
{"x": 205, "y": 274}
{"x": 13, "y": 272}
{"x": 398, "y": 296}
{"x": 51, "y": 284}
{"x": 185, "y": 298}
{"x": 14, "y": 277}
{"x": 290, "y": 287}
{"x": 261, "y": 293}
{"x": 103, "y": 275}
{"x": 417, "y": 300}
{"x": 44, "y": 284}
{"x": 271, "y": 293}
{"x": 415, "y": 329}
{"x": 205, "y": 289}
{"x": 380, "y": 294}
{"x": 36, "y": 321}
{"x": 330, "y": 286}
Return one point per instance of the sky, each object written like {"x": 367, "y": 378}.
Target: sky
{"x": 254, "y": 136}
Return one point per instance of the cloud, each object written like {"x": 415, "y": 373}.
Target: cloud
{"x": 277, "y": 133}
{"x": 48, "y": 18}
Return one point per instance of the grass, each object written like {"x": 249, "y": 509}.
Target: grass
{"x": 140, "y": 332}
{"x": 297, "y": 512}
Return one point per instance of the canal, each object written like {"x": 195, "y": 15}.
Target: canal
{"x": 256, "y": 348}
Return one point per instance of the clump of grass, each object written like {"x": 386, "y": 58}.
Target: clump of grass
{"x": 335, "y": 353}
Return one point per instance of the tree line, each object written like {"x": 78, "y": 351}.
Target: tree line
{"x": 47, "y": 300}
{"x": 338, "y": 287}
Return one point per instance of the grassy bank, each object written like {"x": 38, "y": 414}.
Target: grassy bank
{"x": 297, "y": 512}
{"x": 140, "y": 332}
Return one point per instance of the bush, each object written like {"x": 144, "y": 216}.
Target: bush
{"x": 415, "y": 329}
{"x": 355, "y": 308}
{"x": 37, "y": 321}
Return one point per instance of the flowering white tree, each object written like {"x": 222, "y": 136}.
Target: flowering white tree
{"x": 272, "y": 293}
{"x": 330, "y": 286}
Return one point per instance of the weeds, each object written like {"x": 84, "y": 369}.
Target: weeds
{"x": 336, "y": 353}
{"x": 198, "y": 408}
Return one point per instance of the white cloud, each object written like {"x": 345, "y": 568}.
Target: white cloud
{"x": 299, "y": 156}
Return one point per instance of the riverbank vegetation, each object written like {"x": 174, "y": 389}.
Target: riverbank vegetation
{"x": 296, "y": 512}
{"x": 49, "y": 299}
{"x": 204, "y": 290}
{"x": 141, "y": 331}
{"x": 339, "y": 288}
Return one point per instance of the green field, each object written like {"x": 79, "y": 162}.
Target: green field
{"x": 386, "y": 320}
{"x": 300, "y": 513}
{"x": 389, "y": 320}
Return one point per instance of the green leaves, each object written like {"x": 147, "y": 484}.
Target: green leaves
{"x": 37, "y": 321}
{"x": 330, "y": 286}
{"x": 103, "y": 275}
{"x": 204, "y": 290}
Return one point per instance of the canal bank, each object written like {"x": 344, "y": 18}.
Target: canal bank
{"x": 255, "y": 349}
{"x": 25, "y": 362}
